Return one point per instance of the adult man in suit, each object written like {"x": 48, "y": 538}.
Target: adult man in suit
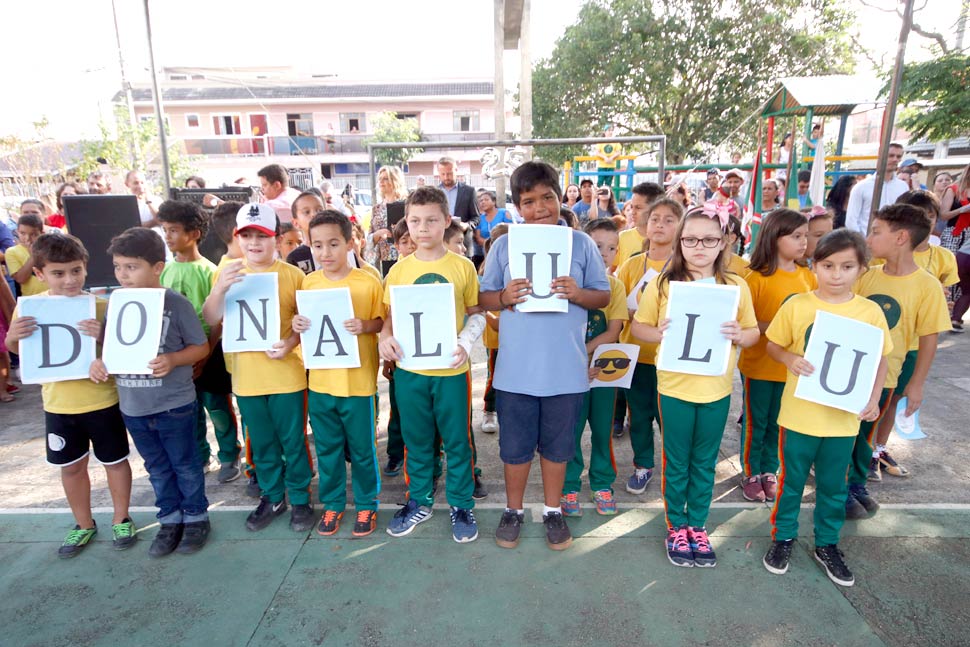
{"x": 461, "y": 201}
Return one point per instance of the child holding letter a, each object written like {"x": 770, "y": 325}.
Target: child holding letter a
{"x": 813, "y": 434}
{"x": 80, "y": 414}
{"x": 693, "y": 408}
{"x": 341, "y": 400}
{"x": 440, "y": 398}
{"x": 160, "y": 409}
{"x": 270, "y": 386}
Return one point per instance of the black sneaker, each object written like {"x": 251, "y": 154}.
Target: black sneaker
{"x": 252, "y": 487}
{"x": 301, "y": 518}
{"x": 831, "y": 558}
{"x": 861, "y": 494}
{"x": 854, "y": 509}
{"x": 507, "y": 533}
{"x": 557, "y": 532}
{"x": 480, "y": 491}
{"x": 393, "y": 467}
{"x": 166, "y": 540}
{"x": 778, "y": 556}
{"x": 618, "y": 429}
{"x": 264, "y": 513}
{"x": 194, "y": 537}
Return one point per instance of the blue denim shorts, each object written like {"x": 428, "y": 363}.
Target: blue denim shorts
{"x": 529, "y": 423}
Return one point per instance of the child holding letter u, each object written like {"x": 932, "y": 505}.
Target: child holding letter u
{"x": 693, "y": 408}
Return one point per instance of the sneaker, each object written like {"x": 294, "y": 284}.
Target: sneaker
{"x": 329, "y": 522}
{"x": 393, "y": 467}
{"x": 301, "y": 517}
{"x": 956, "y": 326}
{"x": 211, "y": 464}
{"x": 228, "y": 472}
{"x": 252, "y": 488}
{"x": 637, "y": 484}
{"x": 405, "y": 519}
{"x": 618, "y": 429}
{"x": 678, "y": 547}
{"x": 480, "y": 491}
{"x": 123, "y": 535}
{"x": 490, "y": 422}
{"x": 264, "y": 513}
{"x": 700, "y": 547}
{"x": 854, "y": 509}
{"x": 875, "y": 474}
{"x": 13, "y": 389}
{"x": 569, "y": 502}
{"x": 166, "y": 539}
{"x": 889, "y": 465}
{"x": 777, "y": 558}
{"x": 557, "y": 532}
{"x": 769, "y": 484}
{"x": 751, "y": 488}
{"x": 463, "y": 526}
{"x": 861, "y": 494}
{"x": 76, "y": 540}
{"x": 831, "y": 559}
{"x": 507, "y": 533}
{"x": 366, "y": 523}
{"x": 605, "y": 503}
{"x": 194, "y": 536}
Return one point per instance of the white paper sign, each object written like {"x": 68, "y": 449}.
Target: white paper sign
{"x": 845, "y": 354}
{"x": 252, "y": 314}
{"x": 327, "y": 344}
{"x": 133, "y": 330}
{"x": 540, "y": 253}
{"x": 423, "y": 317}
{"x": 694, "y": 343}
{"x": 616, "y": 363}
{"x": 57, "y": 351}
{"x": 633, "y": 299}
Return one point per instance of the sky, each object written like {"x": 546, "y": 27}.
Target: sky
{"x": 70, "y": 71}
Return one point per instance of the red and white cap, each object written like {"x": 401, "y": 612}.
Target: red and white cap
{"x": 260, "y": 217}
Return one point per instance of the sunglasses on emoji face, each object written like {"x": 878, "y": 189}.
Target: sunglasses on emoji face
{"x": 619, "y": 363}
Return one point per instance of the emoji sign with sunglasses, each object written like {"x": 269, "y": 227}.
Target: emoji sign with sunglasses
{"x": 615, "y": 363}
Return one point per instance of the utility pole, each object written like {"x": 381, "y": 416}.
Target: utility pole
{"x": 525, "y": 77}
{"x": 159, "y": 115}
{"x": 499, "y": 91}
{"x": 129, "y": 100}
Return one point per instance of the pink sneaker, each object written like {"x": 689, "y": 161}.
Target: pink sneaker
{"x": 751, "y": 488}
{"x": 769, "y": 483}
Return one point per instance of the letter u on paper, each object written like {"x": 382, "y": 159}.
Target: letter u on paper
{"x": 540, "y": 253}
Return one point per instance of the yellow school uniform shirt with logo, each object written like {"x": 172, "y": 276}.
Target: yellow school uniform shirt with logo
{"x": 629, "y": 275}
{"x": 914, "y": 306}
{"x": 597, "y": 321}
{"x": 631, "y": 242}
{"x": 938, "y": 261}
{"x": 789, "y": 329}
{"x": 699, "y": 389}
{"x": 78, "y": 396}
{"x": 767, "y": 295}
{"x": 16, "y": 257}
{"x": 254, "y": 373}
{"x": 366, "y": 294}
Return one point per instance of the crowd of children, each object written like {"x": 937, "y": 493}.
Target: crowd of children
{"x": 537, "y": 394}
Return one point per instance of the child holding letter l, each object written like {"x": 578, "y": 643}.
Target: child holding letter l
{"x": 693, "y": 408}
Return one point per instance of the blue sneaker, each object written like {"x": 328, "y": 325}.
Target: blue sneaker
{"x": 463, "y": 526}
{"x": 637, "y": 484}
{"x": 405, "y": 519}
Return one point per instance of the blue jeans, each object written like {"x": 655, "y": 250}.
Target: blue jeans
{"x": 166, "y": 441}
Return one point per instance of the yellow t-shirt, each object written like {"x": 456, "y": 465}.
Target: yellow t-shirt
{"x": 253, "y": 372}
{"x": 914, "y": 306}
{"x": 789, "y": 330}
{"x": 597, "y": 321}
{"x": 699, "y": 389}
{"x": 366, "y": 295}
{"x": 630, "y": 274}
{"x": 450, "y": 268}
{"x": 225, "y": 260}
{"x": 370, "y": 269}
{"x": 940, "y": 262}
{"x": 767, "y": 295}
{"x": 608, "y": 153}
{"x": 16, "y": 257}
{"x": 630, "y": 243}
{"x": 738, "y": 265}
{"x": 489, "y": 336}
{"x": 79, "y": 396}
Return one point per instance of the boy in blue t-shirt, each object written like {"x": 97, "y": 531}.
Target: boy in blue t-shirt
{"x": 541, "y": 372}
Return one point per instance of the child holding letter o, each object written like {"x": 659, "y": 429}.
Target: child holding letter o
{"x": 693, "y": 408}
{"x": 811, "y": 433}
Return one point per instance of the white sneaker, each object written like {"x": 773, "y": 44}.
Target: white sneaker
{"x": 490, "y": 423}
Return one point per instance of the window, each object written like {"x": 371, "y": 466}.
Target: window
{"x": 406, "y": 115}
{"x": 226, "y": 125}
{"x": 299, "y": 124}
{"x": 192, "y": 121}
{"x": 466, "y": 121}
{"x": 198, "y": 77}
{"x": 177, "y": 77}
{"x": 352, "y": 122}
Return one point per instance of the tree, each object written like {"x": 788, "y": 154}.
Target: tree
{"x": 387, "y": 128}
{"x": 36, "y": 164}
{"x": 691, "y": 69}
{"x": 937, "y": 94}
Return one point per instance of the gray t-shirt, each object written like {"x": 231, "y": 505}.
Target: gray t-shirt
{"x": 144, "y": 395}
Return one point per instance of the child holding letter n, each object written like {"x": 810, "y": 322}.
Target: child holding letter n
{"x": 815, "y": 434}
{"x": 341, "y": 400}
{"x": 693, "y": 408}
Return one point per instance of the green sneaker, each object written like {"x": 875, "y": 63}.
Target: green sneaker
{"x": 76, "y": 540}
{"x": 123, "y": 534}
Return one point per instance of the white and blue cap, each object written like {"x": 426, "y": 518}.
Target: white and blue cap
{"x": 260, "y": 217}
